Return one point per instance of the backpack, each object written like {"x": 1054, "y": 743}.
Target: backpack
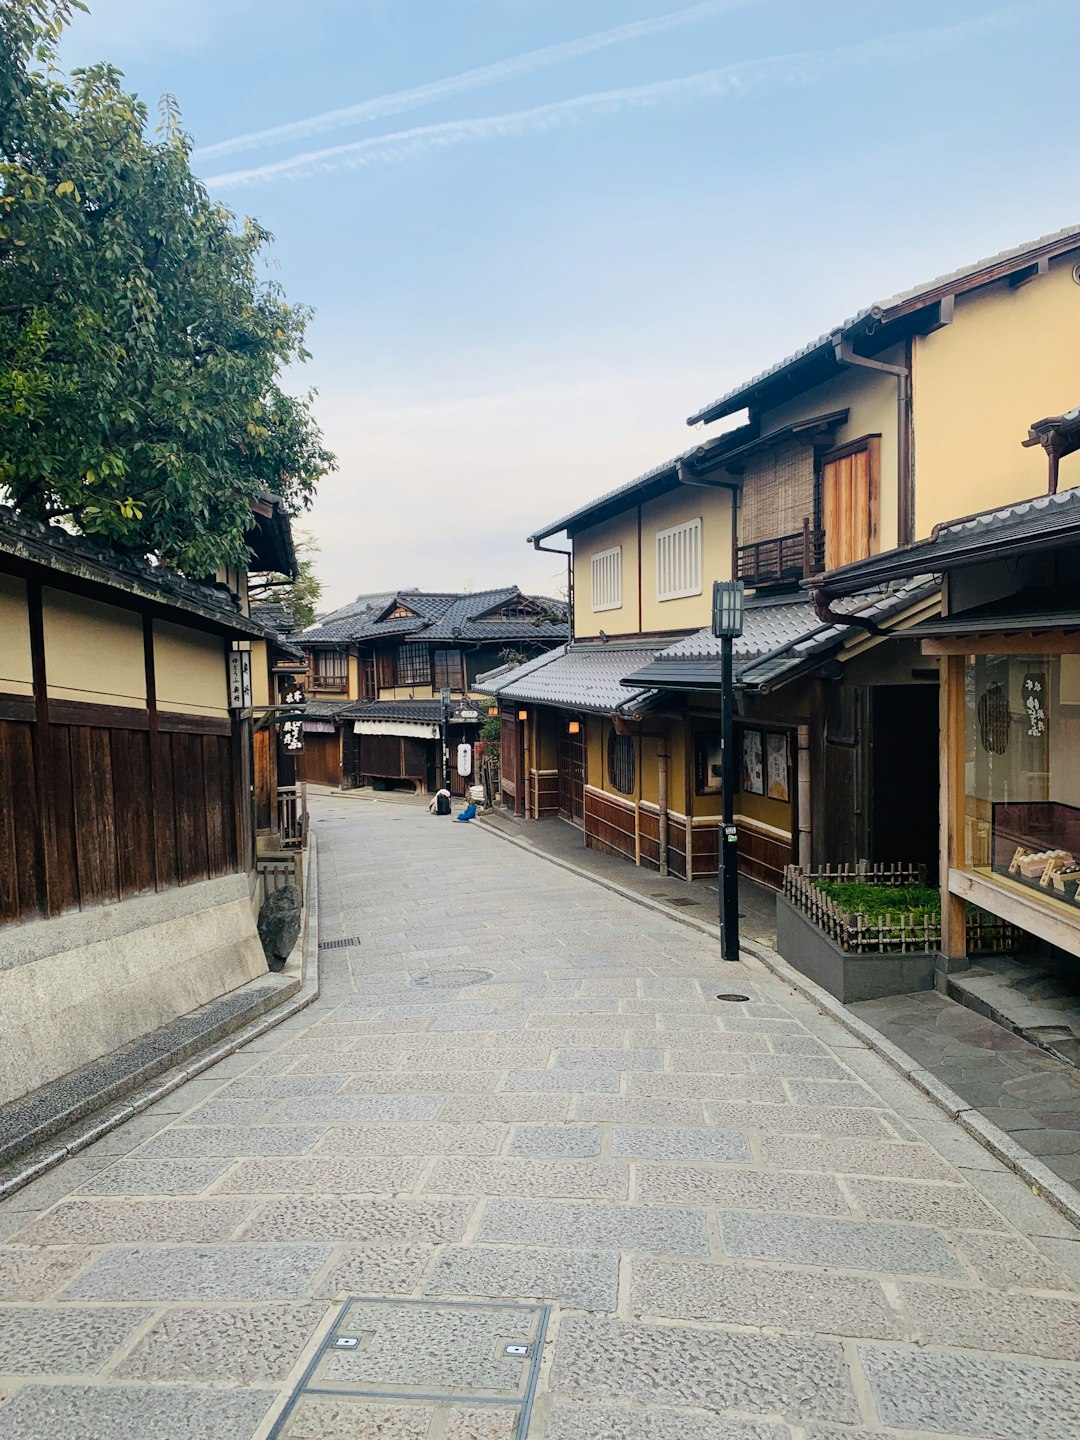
{"x": 442, "y": 804}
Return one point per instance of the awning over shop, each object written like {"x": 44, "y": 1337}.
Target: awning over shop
{"x": 410, "y": 729}
{"x": 319, "y": 727}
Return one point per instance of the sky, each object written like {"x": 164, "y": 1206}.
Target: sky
{"x": 537, "y": 234}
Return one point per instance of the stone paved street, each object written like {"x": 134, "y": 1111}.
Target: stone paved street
{"x": 519, "y": 1087}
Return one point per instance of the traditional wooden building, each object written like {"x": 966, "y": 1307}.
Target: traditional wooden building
{"x": 378, "y": 668}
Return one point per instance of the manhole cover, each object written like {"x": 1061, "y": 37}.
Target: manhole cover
{"x": 339, "y": 944}
{"x": 733, "y": 998}
{"x": 435, "y": 1360}
{"x": 451, "y": 979}
{"x": 679, "y": 901}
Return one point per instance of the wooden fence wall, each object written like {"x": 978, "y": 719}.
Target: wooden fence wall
{"x": 92, "y": 813}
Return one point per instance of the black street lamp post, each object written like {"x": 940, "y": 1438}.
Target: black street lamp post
{"x": 727, "y": 623}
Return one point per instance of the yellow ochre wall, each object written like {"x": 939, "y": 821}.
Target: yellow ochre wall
{"x": 354, "y": 677}
{"x": 260, "y": 674}
{"x": 189, "y": 670}
{"x": 93, "y": 652}
{"x": 16, "y": 669}
{"x": 646, "y": 614}
{"x": 1010, "y": 357}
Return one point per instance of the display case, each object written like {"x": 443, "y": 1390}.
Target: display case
{"x": 1037, "y": 843}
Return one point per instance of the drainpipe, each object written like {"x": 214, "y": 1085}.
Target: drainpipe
{"x": 845, "y": 355}
{"x": 569, "y": 556}
{"x": 819, "y": 598}
{"x": 662, "y": 797}
{"x": 805, "y": 826}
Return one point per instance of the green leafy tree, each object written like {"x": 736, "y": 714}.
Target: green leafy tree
{"x": 301, "y": 596}
{"x": 141, "y": 344}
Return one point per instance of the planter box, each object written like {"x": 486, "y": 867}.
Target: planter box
{"x": 848, "y": 976}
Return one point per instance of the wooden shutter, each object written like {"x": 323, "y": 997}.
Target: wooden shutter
{"x": 386, "y": 669}
{"x": 849, "y": 502}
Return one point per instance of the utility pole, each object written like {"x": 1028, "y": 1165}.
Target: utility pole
{"x": 727, "y": 624}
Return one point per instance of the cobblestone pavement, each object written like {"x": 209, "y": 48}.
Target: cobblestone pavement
{"x": 745, "y": 1225}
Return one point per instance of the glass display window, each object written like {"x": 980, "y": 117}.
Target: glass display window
{"x": 1022, "y": 781}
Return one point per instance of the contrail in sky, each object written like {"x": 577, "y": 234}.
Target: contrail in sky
{"x": 412, "y": 99}
{"x": 796, "y": 71}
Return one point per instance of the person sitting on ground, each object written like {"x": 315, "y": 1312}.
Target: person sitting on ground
{"x": 440, "y": 802}
{"x": 468, "y": 813}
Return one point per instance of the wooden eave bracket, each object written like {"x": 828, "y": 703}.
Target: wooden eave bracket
{"x": 1029, "y": 272}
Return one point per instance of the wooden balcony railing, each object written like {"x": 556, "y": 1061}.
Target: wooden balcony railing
{"x": 784, "y": 557}
{"x": 328, "y": 682}
{"x": 292, "y": 816}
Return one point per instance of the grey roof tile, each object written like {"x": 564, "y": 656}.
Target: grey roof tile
{"x": 438, "y": 616}
{"x": 576, "y": 677}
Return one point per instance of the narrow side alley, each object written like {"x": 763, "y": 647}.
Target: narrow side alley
{"x": 535, "y": 1163}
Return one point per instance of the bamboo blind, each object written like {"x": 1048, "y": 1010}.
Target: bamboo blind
{"x": 777, "y": 493}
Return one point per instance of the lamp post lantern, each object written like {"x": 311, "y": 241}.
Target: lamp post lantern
{"x": 727, "y": 624}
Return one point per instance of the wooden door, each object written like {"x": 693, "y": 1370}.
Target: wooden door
{"x": 320, "y": 764}
{"x": 572, "y": 777}
{"x": 849, "y": 503}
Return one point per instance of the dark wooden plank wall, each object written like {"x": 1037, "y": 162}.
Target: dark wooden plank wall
{"x": 609, "y": 825}
{"x": 126, "y": 812}
{"x": 320, "y": 764}
{"x": 546, "y": 790}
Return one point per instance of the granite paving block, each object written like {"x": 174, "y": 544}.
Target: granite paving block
{"x": 341, "y": 1418}
{"x": 985, "y": 1320}
{"x": 818, "y": 1304}
{"x": 730, "y": 1189}
{"x": 182, "y": 1272}
{"x": 955, "y": 1207}
{"x": 320, "y": 1175}
{"x": 127, "y": 1222}
{"x": 672, "y": 1365}
{"x": 798, "y": 1119}
{"x": 833, "y": 1092}
{"x": 691, "y": 1050}
{"x": 575, "y": 1279}
{"x": 68, "y": 1340}
{"x": 786, "y": 1043}
{"x": 195, "y": 1142}
{"x": 681, "y": 1144}
{"x": 570, "y": 1179}
{"x": 568, "y": 1081}
{"x": 577, "y": 1141}
{"x": 1005, "y": 1261}
{"x": 813, "y": 1067}
{"x": 231, "y": 1111}
{"x": 639, "y": 1110}
{"x": 506, "y": 1221}
{"x": 156, "y": 1177}
{"x": 579, "y": 1420}
{"x": 131, "y": 1412}
{"x": 240, "y": 1345}
{"x": 968, "y": 1395}
{"x": 397, "y": 1140}
{"x": 847, "y": 1244}
{"x": 517, "y": 1109}
{"x": 855, "y": 1157}
{"x": 358, "y": 1109}
{"x": 302, "y": 1217}
{"x": 421, "y": 1082}
{"x": 707, "y": 1087}
{"x": 38, "y": 1274}
{"x": 375, "y": 1270}
{"x": 1014, "y": 1198}
{"x": 609, "y": 1059}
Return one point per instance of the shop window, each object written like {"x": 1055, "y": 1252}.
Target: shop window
{"x": 449, "y": 671}
{"x": 849, "y": 501}
{"x": 1022, "y": 807}
{"x": 413, "y": 665}
{"x": 622, "y": 770}
{"x": 606, "y": 573}
{"x": 678, "y": 561}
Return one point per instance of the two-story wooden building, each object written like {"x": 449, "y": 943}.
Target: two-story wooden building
{"x": 862, "y": 440}
{"x": 377, "y": 669}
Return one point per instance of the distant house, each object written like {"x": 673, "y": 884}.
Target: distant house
{"x": 376, "y": 670}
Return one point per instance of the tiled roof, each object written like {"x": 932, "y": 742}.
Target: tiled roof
{"x": 1040, "y": 523}
{"x": 882, "y": 311}
{"x": 779, "y": 638}
{"x": 438, "y": 616}
{"x": 421, "y": 710}
{"x": 577, "y": 677}
{"x": 89, "y": 560}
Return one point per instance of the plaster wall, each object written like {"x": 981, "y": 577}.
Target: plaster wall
{"x": 620, "y": 530}
{"x": 16, "y": 671}
{"x": 689, "y": 501}
{"x": 1009, "y": 358}
{"x": 190, "y": 671}
{"x": 77, "y": 987}
{"x": 93, "y": 652}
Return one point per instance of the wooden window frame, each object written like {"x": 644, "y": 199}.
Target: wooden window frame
{"x": 444, "y": 675}
{"x": 412, "y": 665}
{"x": 608, "y": 563}
{"x": 694, "y": 561}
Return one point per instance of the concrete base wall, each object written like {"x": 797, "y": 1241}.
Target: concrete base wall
{"x": 79, "y": 986}
{"x": 848, "y": 977}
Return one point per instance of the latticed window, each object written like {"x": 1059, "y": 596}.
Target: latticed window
{"x": 329, "y": 669}
{"x": 449, "y": 672}
{"x": 621, "y": 764}
{"x": 606, "y": 572}
{"x": 413, "y": 665}
{"x": 678, "y": 561}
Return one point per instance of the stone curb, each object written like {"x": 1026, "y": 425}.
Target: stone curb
{"x": 1063, "y": 1196}
{"x": 96, "y": 1126}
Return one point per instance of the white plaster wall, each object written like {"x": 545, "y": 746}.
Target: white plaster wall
{"x": 71, "y": 992}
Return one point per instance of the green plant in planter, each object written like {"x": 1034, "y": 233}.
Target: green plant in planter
{"x": 876, "y": 901}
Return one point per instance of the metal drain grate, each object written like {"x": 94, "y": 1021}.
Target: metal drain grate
{"x": 432, "y": 1359}
{"x": 451, "y": 979}
{"x": 339, "y": 944}
{"x": 681, "y": 901}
